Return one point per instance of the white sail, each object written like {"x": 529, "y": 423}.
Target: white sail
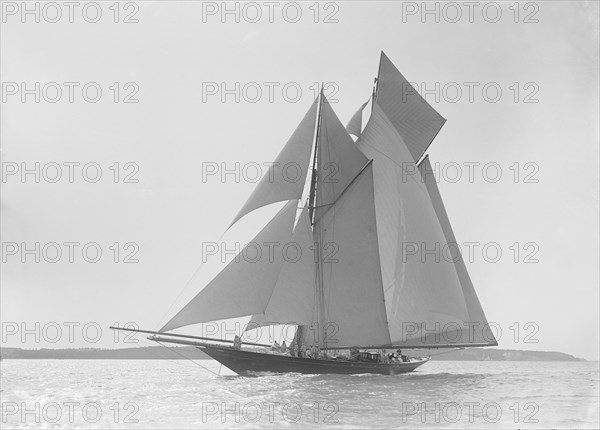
{"x": 354, "y": 126}
{"x": 293, "y": 296}
{"x": 479, "y": 332}
{"x": 415, "y": 120}
{"x": 245, "y": 285}
{"x": 257, "y": 321}
{"x": 339, "y": 159}
{"x": 353, "y": 289}
{"x": 285, "y": 178}
{"x": 422, "y": 292}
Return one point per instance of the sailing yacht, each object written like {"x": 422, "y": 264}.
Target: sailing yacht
{"x": 365, "y": 214}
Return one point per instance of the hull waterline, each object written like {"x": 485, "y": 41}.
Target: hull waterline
{"x": 251, "y": 363}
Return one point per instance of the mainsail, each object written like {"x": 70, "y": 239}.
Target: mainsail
{"x": 424, "y": 299}
{"x": 367, "y": 265}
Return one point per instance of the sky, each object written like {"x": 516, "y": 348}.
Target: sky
{"x": 162, "y": 120}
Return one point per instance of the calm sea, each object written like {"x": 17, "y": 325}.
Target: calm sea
{"x": 180, "y": 394}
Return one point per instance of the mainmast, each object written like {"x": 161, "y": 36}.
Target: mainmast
{"x": 317, "y": 237}
{"x": 376, "y": 82}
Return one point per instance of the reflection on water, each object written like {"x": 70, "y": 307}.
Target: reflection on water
{"x": 180, "y": 394}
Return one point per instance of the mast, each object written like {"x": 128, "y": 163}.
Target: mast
{"x": 318, "y": 241}
{"x": 376, "y": 82}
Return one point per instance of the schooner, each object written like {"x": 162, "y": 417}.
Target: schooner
{"x": 366, "y": 215}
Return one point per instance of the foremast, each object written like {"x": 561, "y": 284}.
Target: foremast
{"x": 314, "y": 202}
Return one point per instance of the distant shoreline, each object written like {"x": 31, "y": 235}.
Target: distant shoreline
{"x": 181, "y": 353}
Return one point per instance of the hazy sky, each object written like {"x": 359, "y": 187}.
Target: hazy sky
{"x": 545, "y": 119}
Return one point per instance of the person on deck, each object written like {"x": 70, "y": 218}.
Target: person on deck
{"x": 303, "y": 351}
{"x": 283, "y": 348}
{"x": 314, "y": 351}
{"x": 275, "y": 346}
{"x": 237, "y": 342}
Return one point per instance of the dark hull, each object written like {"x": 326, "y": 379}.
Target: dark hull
{"x": 251, "y": 363}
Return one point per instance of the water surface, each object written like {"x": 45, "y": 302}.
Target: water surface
{"x": 181, "y": 394}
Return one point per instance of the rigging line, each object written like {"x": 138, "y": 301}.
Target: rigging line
{"x": 199, "y": 365}
{"x": 445, "y": 352}
{"x": 158, "y": 357}
{"x": 187, "y": 358}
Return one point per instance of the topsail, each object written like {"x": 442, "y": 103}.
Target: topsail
{"x": 413, "y": 118}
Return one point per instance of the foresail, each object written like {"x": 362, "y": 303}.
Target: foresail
{"x": 422, "y": 291}
{"x": 355, "y": 311}
{"x": 285, "y": 178}
{"x": 415, "y": 120}
{"x": 479, "y": 333}
{"x": 245, "y": 285}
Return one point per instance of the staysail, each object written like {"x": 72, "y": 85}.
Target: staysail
{"x": 293, "y": 296}
{"x": 245, "y": 285}
{"x": 415, "y": 120}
